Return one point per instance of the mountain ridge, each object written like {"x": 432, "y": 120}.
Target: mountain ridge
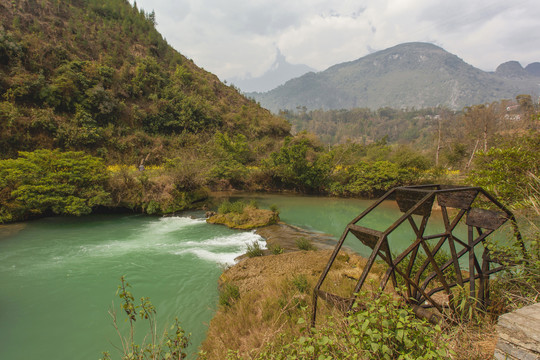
{"x": 404, "y": 76}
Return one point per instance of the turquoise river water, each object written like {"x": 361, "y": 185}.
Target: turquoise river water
{"x": 58, "y": 276}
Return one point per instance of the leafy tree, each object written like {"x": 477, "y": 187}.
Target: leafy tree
{"x": 149, "y": 77}
{"x": 45, "y": 181}
{"x": 297, "y": 165}
{"x": 370, "y": 178}
{"x": 481, "y": 122}
{"x": 506, "y": 171}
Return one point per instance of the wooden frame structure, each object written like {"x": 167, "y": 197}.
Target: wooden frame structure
{"x": 419, "y": 200}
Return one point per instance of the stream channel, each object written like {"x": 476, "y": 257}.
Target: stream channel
{"x": 59, "y": 276}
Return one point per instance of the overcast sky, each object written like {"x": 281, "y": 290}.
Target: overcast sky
{"x": 240, "y": 37}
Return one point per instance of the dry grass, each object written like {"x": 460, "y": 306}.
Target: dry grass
{"x": 473, "y": 342}
{"x": 275, "y": 291}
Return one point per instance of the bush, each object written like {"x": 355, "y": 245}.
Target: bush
{"x": 45, "y": 181}
{"x": 304, "y": 244}
{"x": 506, "y": 171}
{"x": 254, "y": 249}
{"x": 235, "y": 207}
{"x": 298, "y": 165}
{"x": 276, "y": 249}
{"x": 228, "y": 294}
{"x": 382, "y": 330}
{"x": 300, "y": 282}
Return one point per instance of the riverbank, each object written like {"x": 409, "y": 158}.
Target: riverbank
{"x": 273, "y": 301}
{"x": 274, "y": 292}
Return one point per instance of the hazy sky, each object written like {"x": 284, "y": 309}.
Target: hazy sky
{"x": 240, "y": 37}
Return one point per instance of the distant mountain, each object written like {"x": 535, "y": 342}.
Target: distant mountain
{"x": 512, "y": 70}
{"x": 408, "y": 75}
{"x": 533, "y": 69}
{"x": 280, "y": 72}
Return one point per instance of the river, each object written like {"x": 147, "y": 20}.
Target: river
{"x": 58, "y": 276}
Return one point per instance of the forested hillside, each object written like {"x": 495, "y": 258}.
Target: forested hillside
{"x": 418, "y": 127}
{"x": 96, "y": 76}
{"x": 90, "y": 92}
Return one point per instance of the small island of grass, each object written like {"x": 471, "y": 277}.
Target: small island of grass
{"x": 239, "y": 215}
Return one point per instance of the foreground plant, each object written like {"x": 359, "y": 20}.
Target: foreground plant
{"x": 383, "y": 329}
{"x": 168, "y": 346}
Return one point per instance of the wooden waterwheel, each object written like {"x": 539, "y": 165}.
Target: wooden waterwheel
{"x": 429, "y": 285}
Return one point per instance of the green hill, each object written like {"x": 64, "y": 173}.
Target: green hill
{"x": 96, "y": 76}
{"x": 408, "y": 75}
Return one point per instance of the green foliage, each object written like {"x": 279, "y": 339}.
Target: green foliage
{"x": 300, "y": 282}
{"x": 170, "y": 345}
{"x": 364, "y": 126}
{"x": 369, "y": 179}
{"x": 407, "y": 158}
{"x": 43, "y": 181}
{"x": 105, "y": 59}
{"x": 174, "y": 187}
{"x": 276, "y": 249}
{"x": 227, "y": 207}
{"x": 254, "y": 249}
{"x": 297, "y": 165}
{"x": 232, "y": 153}
{"x": 505, "y": 171}
{"x": 228, "y": 294}
{"x": 10, "y": 49}
{"x": 304, "y": 244}
{"x": 383, "y": 329}
{"x": 233, "y": 147}
{"x": 148, "y": 77}
{"x": 519, "y": 284}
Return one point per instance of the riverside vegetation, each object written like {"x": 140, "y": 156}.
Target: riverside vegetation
{"x": 90, "y": 90}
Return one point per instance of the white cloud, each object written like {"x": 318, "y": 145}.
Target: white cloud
{"x": 237, "y": 37}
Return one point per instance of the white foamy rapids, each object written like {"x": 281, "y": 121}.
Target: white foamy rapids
{"x": 170, "y": 224}
{"x": 222, "y": 250}
{"x": 155, "y": 236}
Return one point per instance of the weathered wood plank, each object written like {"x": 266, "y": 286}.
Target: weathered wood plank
{"x": 368, "y": 237}
{"x": 486, "y": 219}
{"x": 407, "y": 198}
{"x": 519, "y": 332}
{"x": 509, "y": 351}
{"x": 457, "y": 200}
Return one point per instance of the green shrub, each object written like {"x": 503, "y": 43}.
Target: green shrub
{"x": 304, "y": 244}
{"x": 235, "y": 207}
{"x": 228, "y": 294}
{"x": 45, "y": 181}
{"x": 382, "y": 330}
{"x": 274, "y": 208}
{"x": 254, "y": 249}
{"x": 276, "y": 249}
{"x": 506, "y": 171}
{"x": 300, "y": 282}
